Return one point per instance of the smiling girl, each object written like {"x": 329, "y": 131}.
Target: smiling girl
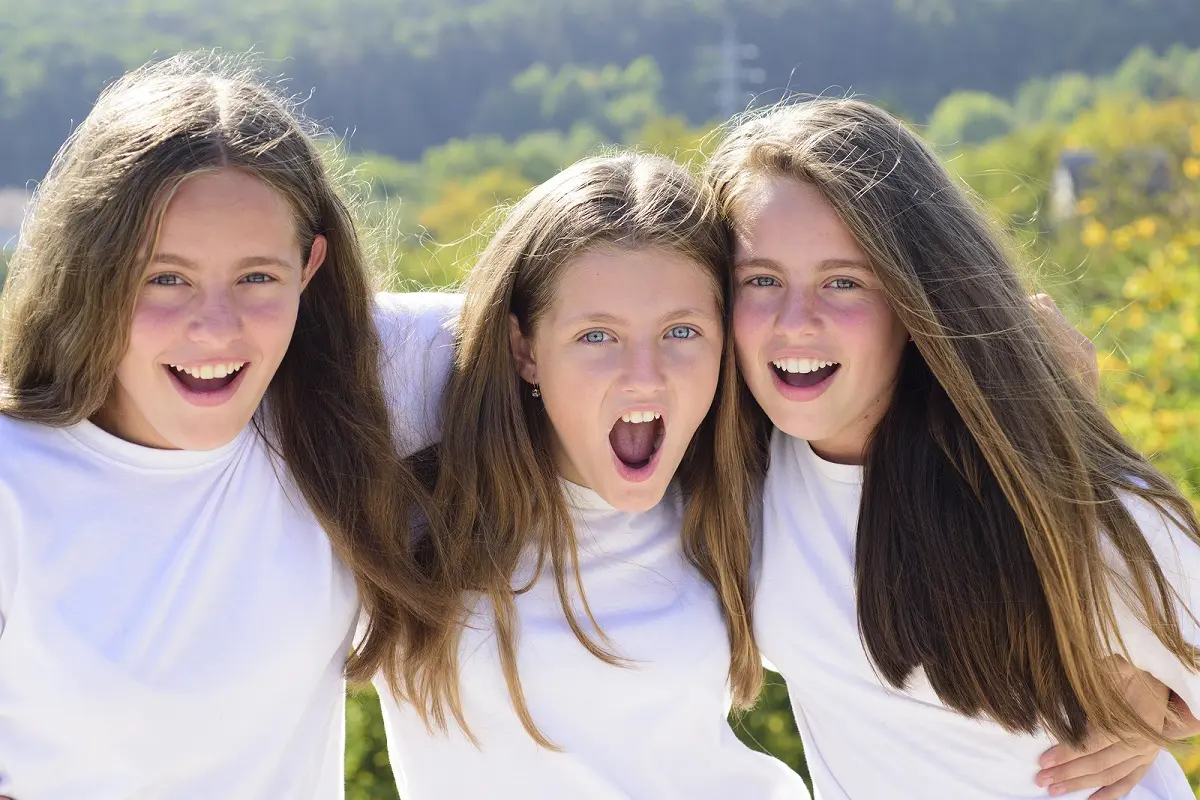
{"x": 200, "y": 479}
{"x": 592, "y": 467}
{"x": 957, "y": 543}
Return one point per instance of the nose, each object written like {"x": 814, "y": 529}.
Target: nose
{"x": 798, "y": 314}
{"x": 216, "y": 320}
{"x": 644, "y": 375}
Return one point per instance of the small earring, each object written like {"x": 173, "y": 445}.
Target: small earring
{"x": 537, "y": 392}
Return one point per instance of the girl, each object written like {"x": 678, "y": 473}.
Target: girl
{"x": 956, "y": 541}
{"x": 596, "y": 497}
{"x": 200, "y": 479}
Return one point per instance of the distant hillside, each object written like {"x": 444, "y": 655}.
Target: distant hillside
{"x": 403, "y": 75}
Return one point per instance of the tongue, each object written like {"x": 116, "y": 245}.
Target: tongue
{"x": 633, "y": 442}
{"x": 806, "y": 378}
{"x": 203, "y": 384}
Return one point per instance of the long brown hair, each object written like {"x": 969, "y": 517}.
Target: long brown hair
{"x": 994, "y": 478}
{"x": 496, "y": 476}
{"x": 74, "y": 282}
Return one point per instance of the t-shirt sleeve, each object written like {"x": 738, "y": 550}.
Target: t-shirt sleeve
{"x": 8, "y": 554}
{"x": 417, "y": 330}
{"x": 1179, "y": 558}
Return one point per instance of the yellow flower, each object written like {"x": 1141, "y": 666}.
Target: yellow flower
{"x": 1188, "y": 323}
{"x": 1094, "y": 234}
{"x": 1085, "y": 206}
{"x": 1110, "y": 363}
{"x": 1100, "y": 315}
{"x": 1122, "y": 239}
{"x": 1191, "y": 168}
{"x": 1136, "y": 318}
{"x": 1177, "y": 253}
{"x": 1146, "y": 227}
{"x": 1136, "y": 394}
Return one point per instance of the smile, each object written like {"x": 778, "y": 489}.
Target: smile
{"x": 804, "y": 372}
{"x": 636, "y": 440}
{"x": 207, "y": 384}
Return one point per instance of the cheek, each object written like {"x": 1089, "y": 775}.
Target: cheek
{"x": 751, "y": 328}
{"x": 573, "y": 391}
{"x": 277, "y": 306}
{"x": 873, "y": 335}
{"x": 695, "y": 370}
{"x": 155, "y": 327}
{"x": 267, "y": 320}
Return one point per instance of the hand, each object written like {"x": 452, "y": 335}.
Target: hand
{"x": 1104, "y": 761}
{"x": 1077, "y": 351}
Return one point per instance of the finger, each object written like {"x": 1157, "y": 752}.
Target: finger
{"x": 1121, "y": 787}
{"x": 1092, "y": 764}
{"x": 1078, "y": 351}
{"x": 1045, "y": 301}
{"x": 1097, "y": 780}
{"x": 1065, "y": 753}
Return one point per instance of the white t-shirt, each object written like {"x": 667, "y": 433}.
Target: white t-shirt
{"x": 864, "y": 739}
{"x": 656, "y": 729}
{"x": 174, "y": 624}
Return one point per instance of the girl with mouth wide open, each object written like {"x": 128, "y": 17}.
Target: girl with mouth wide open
{"x": 200, "y": 481}
{"x": 592, "y": 469}
{"x": 961, "y": 555}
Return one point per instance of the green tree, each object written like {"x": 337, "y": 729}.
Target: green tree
{"x": 970, "y": 118}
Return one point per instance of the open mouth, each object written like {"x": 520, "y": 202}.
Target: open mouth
{"x": 804, "y": 372}
{"x": 208, "y": 378}
{"x": 636, "y": 439}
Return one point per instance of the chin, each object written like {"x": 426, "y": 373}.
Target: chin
{"x": 204, "y": 437}
{"x": 799, "y": 427}
{"x": 634, "y": 498}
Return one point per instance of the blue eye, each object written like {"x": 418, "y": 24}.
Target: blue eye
{"x": 595, "y": 337}
{"x": 258, "y": 277}
{"x": 166, "y": 280}
{"x": 683, "y": 332}
{"x": 843, "y": 284}
{"x": 763, "y": 281}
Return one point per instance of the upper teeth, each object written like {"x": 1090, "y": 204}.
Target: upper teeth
{"x": 208, "y": 371}
{"x": 802, "y": 364}
{"x": 641, "y": 416}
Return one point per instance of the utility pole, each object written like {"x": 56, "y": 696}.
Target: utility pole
{"x": 733, "y": 70}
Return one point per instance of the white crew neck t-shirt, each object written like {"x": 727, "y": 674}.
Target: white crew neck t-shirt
{"x": 862, "y": 738}
{"x": 174, "y": 624}
{"x": 655, "y": 730}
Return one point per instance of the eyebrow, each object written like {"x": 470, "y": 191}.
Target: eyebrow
{"x": 834, "y": 264}
{"x": 828, "y": 265}
{"x": 245, "y": 263}
{"x": 753, "y": 263}
{"x": 671, "y": 316}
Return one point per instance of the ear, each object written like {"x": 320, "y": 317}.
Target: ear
{"x": 316, "y": 257}
{"x": 522, "y": 351}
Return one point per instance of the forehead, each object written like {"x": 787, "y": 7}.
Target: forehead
{"x": 777, "y": 217}
{"x": 226, "y": 210}
{"x": 627, "y": 282}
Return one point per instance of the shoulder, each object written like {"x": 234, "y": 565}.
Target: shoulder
{"x": 416, "y": 317}
{"x": 417, "y": 331}
{"x": 1176, "y": 551}
{"x": 1177, "y": 554}
{"x": 30, "y": 452}
{"x": 24, "y": 443}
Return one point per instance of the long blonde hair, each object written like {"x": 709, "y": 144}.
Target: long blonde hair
{"x": 496, "y": 477}
{"x": 994, "y": 478}
{"x": 74, "y": 280}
